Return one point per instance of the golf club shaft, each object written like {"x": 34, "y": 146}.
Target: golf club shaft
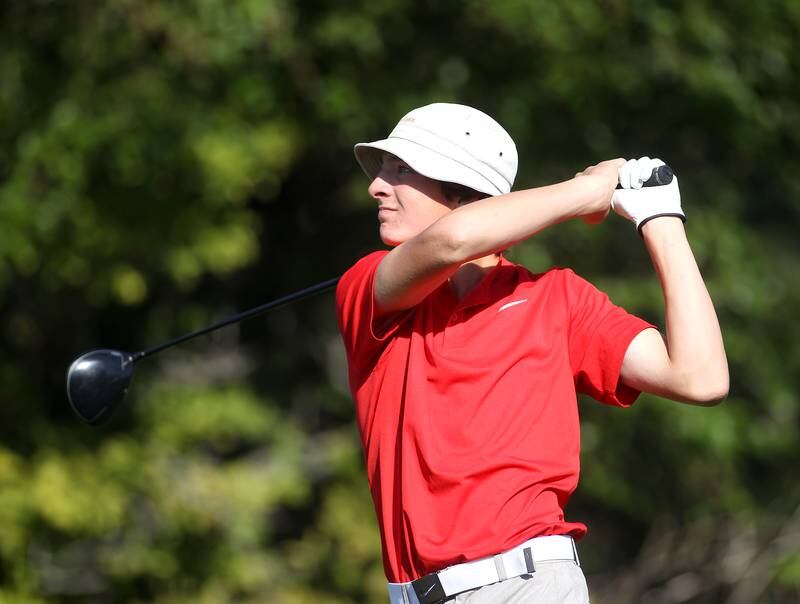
{"x": 661, "y": 175}
{"x": 303, "y": 293}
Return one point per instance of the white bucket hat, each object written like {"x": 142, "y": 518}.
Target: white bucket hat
{"x": 450, "y": 143}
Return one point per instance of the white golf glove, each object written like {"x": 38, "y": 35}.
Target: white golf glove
{"x": 641, "y": 204}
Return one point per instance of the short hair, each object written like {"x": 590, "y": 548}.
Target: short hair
{"x": 461, "y": 193}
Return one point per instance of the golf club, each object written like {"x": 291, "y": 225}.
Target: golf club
{"x": 661, "y": 175}
{"x": 98, "y": 381}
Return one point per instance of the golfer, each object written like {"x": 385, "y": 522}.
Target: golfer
{"x": 465, "y": 367}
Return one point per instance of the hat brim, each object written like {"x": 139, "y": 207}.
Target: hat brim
{"x": 423, "y": 160}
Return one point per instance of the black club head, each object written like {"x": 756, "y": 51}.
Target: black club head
{"x": 97, "y": 383}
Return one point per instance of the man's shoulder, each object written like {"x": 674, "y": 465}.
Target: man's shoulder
{"x": 552, "y": 274}
{"x": 556, "y": 284}
{"x": 362, "y": 267}
{"x": 368, "y": 259}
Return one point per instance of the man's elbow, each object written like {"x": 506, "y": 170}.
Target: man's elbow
{"x": 710, "y": 391}
{"x": 451, "y": 242}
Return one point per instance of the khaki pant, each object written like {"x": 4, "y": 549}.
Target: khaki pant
{"x": 556, "y": 582}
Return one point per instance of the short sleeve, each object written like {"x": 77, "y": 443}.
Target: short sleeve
{"x": 364, "y": 338}
{"x": 599, "y": 335}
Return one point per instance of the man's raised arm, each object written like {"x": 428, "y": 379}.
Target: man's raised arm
{"x": 416, "y": 267}
{"x": 691, "y": 366}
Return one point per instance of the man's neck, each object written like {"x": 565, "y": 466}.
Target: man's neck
{"x": 471, "y": 273}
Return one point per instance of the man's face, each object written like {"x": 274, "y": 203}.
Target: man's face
{"x": 408, "y": 202}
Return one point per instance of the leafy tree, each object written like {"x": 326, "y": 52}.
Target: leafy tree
{"x": 164, "y": 163}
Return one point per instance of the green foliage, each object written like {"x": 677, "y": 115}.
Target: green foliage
{"x": 164, "y": 163}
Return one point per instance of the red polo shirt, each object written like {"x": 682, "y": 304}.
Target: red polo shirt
{"x": 467, "y": 410}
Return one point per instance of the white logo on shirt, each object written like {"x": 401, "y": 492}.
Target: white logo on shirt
{"x": 510, "y": 304}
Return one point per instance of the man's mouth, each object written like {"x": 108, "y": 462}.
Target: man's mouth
{"x": 383, "y": 212}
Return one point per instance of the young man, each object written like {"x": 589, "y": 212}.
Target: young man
{"x": 465, "y": 367}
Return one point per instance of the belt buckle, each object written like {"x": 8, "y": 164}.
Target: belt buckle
{"x": 429, "y": 589}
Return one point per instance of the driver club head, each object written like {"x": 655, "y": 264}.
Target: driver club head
{"x": 97, "y": 383}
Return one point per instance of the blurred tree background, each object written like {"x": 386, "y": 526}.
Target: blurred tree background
{"x": 163, "y": 164}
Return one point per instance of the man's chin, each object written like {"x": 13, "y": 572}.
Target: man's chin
{"x": 389, "y": 240}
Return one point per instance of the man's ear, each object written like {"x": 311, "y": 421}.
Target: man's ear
{"x": 469, "y": 197}
{"x": 459, "y": 194}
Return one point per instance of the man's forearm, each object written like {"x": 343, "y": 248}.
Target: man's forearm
{"x": 419, "y": 265}
{"x": 698, "y": 364}
{"x": 496, "y": 223}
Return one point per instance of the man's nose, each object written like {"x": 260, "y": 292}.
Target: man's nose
{"x": 379, "y": 188}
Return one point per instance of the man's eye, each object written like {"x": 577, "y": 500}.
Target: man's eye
{"x": 403, "y": 169}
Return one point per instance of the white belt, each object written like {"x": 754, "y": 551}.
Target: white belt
{"x": 453, "y": 580}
